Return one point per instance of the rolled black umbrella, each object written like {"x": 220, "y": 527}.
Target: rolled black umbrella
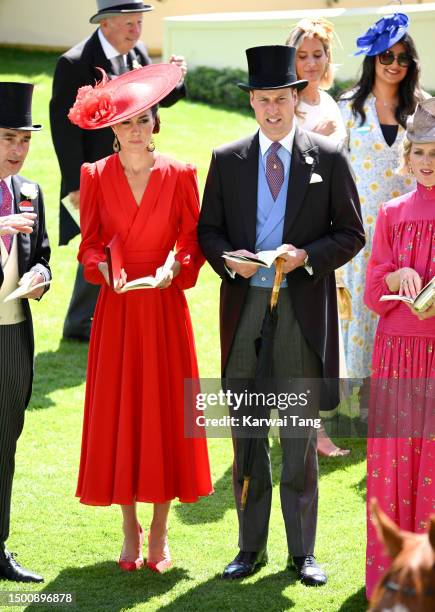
{"x": 263, "y": 371}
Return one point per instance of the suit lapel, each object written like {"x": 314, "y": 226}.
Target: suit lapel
{"x": 300, "y": 175}
{"x": 248, "y": 187}
{"x": 99, "y": 59}
{"x": 23, "y": 240}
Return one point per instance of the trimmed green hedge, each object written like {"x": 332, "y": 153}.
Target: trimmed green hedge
{"x": 218, "y": 87}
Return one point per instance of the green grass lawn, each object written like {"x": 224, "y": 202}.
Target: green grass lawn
{"x": 74, "y": 546}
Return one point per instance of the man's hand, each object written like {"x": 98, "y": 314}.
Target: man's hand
{"x": 15, "y": 224}
{"x": 74, "y": 198}
{"x": 243, "y": 269}
{"x": 181, "y": 62}
{"x": 293, "y": 258}
{"x": 35, "y": 278}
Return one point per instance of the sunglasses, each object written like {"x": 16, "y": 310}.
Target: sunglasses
{"x": 403, "y": 59}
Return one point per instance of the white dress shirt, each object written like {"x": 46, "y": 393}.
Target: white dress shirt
{"x": 109, "y": 50}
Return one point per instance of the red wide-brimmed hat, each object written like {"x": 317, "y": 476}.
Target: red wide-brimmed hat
{"x": 113, "y": 101}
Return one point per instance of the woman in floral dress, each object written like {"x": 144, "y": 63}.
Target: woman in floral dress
{"x": 375, "y": 113}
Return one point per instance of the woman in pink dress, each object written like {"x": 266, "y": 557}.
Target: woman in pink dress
{"x": 401, "y": 446}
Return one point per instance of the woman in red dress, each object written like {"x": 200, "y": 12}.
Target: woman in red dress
{"x": 142, "y": 346}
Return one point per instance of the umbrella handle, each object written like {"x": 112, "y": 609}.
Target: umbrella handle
{"x": 244, "y": 495}
{"x": 276, "y": 282}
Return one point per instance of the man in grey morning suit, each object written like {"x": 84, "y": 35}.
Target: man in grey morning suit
{"x": 24, "y": 257}
{"x": 115, "y": 47}
{"x": 281, "y": 185}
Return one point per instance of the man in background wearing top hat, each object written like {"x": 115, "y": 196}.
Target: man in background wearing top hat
{"x": 115, "y": 47}
{"x": 281, "y": 185}
{"x": 25, "y": 253}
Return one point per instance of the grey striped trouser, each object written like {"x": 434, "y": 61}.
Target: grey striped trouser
{"x": 292, "y": 357}
{"x": 15, "y": 376}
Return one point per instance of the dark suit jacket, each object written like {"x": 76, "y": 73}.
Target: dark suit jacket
{"x": 33, "y": 250}
{"x": 324, "y": 218}
{"x": 74, "y": 146}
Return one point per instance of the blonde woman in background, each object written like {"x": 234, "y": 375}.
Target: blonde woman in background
{"x": 318, "y": 112}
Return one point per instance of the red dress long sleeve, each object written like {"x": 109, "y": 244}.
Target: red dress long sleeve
{"x": 142, "y": 347}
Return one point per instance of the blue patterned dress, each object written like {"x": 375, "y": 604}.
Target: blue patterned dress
{"x": 374, "y": 164}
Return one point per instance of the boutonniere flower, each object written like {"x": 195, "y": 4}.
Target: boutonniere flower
{"x": 309, "y": 160}
{"x": 29, "y": 191}
{"x": 135, "y": 64}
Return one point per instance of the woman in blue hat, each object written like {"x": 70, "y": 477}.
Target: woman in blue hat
{"x": 375, "y": 111}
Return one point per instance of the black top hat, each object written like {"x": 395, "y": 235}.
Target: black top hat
{"x": 272, "y": 67}
{"x": 110, "y": 8}
{"x": 16, "y": 106}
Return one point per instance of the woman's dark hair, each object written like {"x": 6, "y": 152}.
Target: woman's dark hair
{"x": 409, "y": 88}
{"x": 156, "y": 117}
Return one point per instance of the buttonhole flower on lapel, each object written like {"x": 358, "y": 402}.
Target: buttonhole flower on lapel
{"x": 309, "y": 160}
{"x": 93, "y": 105}
{"x": 135, "y": 64}
{"x": 29, "y": 191}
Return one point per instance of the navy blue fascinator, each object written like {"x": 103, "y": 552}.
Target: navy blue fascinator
{"x": 383, "y": 34}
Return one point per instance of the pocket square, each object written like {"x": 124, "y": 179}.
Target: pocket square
{"x": 316, "y": 178}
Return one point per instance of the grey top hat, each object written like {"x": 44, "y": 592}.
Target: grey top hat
{"x": 421, "y": 126}
{"x": 111, "y": 8}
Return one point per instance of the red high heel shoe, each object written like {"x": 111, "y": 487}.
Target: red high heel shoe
{"x": 132, "y": 566}
{"x": 159, "y": 558}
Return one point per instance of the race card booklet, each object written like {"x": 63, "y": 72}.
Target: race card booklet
{"x": 24, "y": 289}
{"x": 115, "y": 265}
{"x": 422, "y": 301}
{"x": 73, "y": 211}
{"x": 265, "y": 259}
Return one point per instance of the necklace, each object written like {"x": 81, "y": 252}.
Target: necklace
{"x": 389, "y": 104}
{"x": 392, "y": 105}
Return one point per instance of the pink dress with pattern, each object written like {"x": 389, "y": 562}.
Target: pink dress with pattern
{"x": 401, "y": 451}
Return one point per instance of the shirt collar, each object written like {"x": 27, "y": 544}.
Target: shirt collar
{"x": 109, "y": 50}
{"x": 286, "y": 142}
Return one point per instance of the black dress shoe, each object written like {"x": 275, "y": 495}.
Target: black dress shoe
{"x": 245, "y": 564}
{"x": 309, "y": 573}
{"x": 11, "y": 570}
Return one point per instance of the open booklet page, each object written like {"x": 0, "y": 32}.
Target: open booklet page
{"x": 422, "y": 301}
{"x": 151, "y": 282}
{"x": 74, "y": 212}
{"x": 23, "y": 289}
{"x": 265, "y": 259}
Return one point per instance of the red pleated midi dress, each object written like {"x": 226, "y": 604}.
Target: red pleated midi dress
{"x": 142, "y": 347}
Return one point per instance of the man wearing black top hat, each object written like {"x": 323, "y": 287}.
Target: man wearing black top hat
{"x": 115, "y": 47}
{"x": 24, "y": 257}
{"x": 280, "y": 186}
